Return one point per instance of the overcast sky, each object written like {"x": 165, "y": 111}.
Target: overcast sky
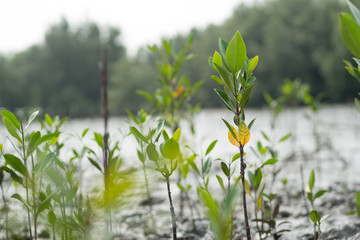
{"x": 142, "y": 22}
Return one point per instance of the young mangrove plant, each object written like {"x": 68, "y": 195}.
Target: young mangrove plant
{"x": 139, "y": 122}
{"x": 172, "y": 100}
{"x": 357, "y": 204}
{"x": 236, "y": 77}
{"x": 166, "y": 164}
{"x": 314, "y": 214}
{"x": 349, "y": 27}
{"x": 27, "y": 167}
{"x": 219, "y": 214}
{"x": 5, "y": 208}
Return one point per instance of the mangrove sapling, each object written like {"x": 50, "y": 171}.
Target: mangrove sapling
{"x": 140, "y": 120}
{"x": 121, "y": 184}
{"x": 349, "y": 27}
{"x": 314, "y": 214}
{"x": 219, "y": 214}
{"x": 5, "y": 209}
{"x": 172, "y": 100}
{"x": 166, "y": 164}
{"x": 29, "y": 168}
{"x": 228, "y": 169}
{"x": 236, "y": 77}
{"x": 357, "y": 203}
{"x": 257, "y": 184}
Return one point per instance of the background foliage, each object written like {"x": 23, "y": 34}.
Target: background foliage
{"x": 294, "y": 39}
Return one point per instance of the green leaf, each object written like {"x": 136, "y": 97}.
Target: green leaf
{"x": 193, "y": 165}
{"x": 181, "y": 187}
{"x": 221, "y": 182}
{"x": 222, "y": 47}
{"x": 165, "y": 135}
{"x": 217, "y": 79}
{"x": 159, "y": 129}
{"x": 47, "y": 161}
{"x": 207, "y": 166}
{"x": 13, "y": 175}
{"x": 48, "y": 137}
{"x": 210, "y": 61}
{"x": 225, "y": 169}
{"x": 319, "y": 194}
{"x": 84, "y": 133}
{"x": 16, "y": 164}
{"x": 230, "y": 129}
{"x": 251, "y": 123}
{"x": 141, "y": 156}
{"x": 257, "y": 177}
{"x": 138, "y": 134}
{"x": 12, "y": 118}
{"x": 145, "y": 95}
{"x": 225, "y": 99}
{"x": 71, "y": 194}
{"x": 48, "y": 120}
{"x": 217, "y": 59}
{"x": 235, "y": 53}
{"x": 270, "y": 161}
{"x": 350, "y": 33}
{"x": 311, "y": 180}
{"x": 355, "y": 11}
{"x": 235, "y": 157}
{"x": 44, "y": 204}
{"x": 176, "y": 135}
{"x": 357, "y": 198}
{"x": 246, "y": 97}
{"x": 33, "y": 142}
{"x": 315, "y": 216}
{"x": 210, "y": 147}
{"x": 52, "y": 218}
{"x": 171, "y": 149}
{"x": 151, "y": 152}
{"x": 31, "y": 118}
{"x": 265, "y": 136}
{"x": 11, "y": 128}
{"x": 99, "y": 139}
{"x": 285, "y": 137}
{"x": 253, "y": 63}
{"x": 133, "y": 118}
{"x": 18, "y": 197}
{"x": 95, "y": 163}
{"x": 224, "y": 76}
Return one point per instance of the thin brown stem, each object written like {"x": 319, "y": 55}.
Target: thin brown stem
{"x": 173, "y": 217}
{"x": 103, "y": 72}
{"x": 242, "y": 173}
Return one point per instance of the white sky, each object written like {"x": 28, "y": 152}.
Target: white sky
{"x": 142, "y": 22}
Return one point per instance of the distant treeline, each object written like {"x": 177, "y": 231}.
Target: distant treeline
{"x": 293, "y": 38}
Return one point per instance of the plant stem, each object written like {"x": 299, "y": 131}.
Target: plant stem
{"x": 26, "y": 178}
{"x": 173, "y": 217}
{"x": 242, "y": 173}
{"x": 103, "y": 72}
{"x": 33, "y": 197}
{"x": 6, "y": 212}
{"x": 149, "y": 198}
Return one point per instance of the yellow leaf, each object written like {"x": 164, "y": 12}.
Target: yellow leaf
{"x": 247, "y": 188}
{"x": 232, "y": 140}
{"x": 244, "y": 133}
{"x": 258, "y": 203}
